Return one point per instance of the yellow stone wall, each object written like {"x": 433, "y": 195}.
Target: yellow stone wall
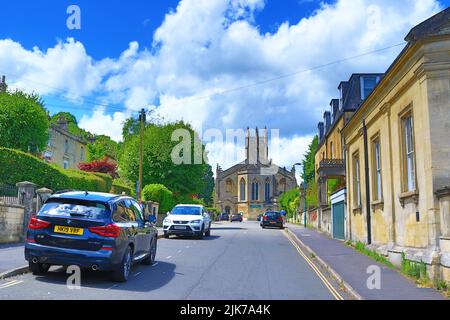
{"x": 412, "y": 83}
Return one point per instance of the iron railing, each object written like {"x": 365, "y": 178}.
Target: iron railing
{"x": 9, "y": 194}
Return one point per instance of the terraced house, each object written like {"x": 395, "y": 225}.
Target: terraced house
{"x": 329, "y": 158}
{"x": 397, "y": 154}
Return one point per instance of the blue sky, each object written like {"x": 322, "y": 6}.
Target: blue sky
{"x": 195, "y": 59}
{"x": 109, "y": 25}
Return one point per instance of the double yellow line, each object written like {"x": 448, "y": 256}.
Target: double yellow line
{"x": 10, "y": 284}
{"x": 327, "y": 283}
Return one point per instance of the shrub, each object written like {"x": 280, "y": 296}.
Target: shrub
{"x": 159, "y": 193}
{"x": 119, "y": 187}
{"x": 17, "y": 166}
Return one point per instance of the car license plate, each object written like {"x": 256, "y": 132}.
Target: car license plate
{"x": 69, "y": 230}
{"x": 180, "y": 228}
{"x": 272, "y": 222}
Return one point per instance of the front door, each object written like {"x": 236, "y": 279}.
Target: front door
{"x": 338, "y": 220}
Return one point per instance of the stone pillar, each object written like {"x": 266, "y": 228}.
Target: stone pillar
{"x": 42, "y": 196}
{"x": 26, "y": 193}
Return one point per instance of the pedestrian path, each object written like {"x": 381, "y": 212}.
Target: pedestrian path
{"x": 352, "y": 266}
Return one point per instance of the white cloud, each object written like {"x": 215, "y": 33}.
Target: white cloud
{"x": 206, "y": 47}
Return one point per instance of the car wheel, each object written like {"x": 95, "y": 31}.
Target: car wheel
{"x": 166, "y": 235}
{"x": 123, "y": 270}
{"x": 208, "y": 233}
{"x": 38, "y": 268}
{"x": 201, "y": 233}
{"x": 150, "y": 260}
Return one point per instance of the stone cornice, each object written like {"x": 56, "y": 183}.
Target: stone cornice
{"x": 444, "y": 192}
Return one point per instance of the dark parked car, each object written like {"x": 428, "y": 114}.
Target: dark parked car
{"x": 224, "y": 217}
{"x": 236, "y": 217}
{"x": 92, "y": 230}
{"x": 272, "y": 219}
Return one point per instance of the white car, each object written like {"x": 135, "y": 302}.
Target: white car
{"x": 187, "y": 219}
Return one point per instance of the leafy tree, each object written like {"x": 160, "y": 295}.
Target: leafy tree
{"x": 159, "y": 193}
{"x": 102, "y": 166}
{"x": 308, "y": 161}
{"x": 24, "y": 122}
{"x": 185, "y": 179}
{"x": 308, "y": 174}
{"x": 101, "y": 147}
{"x": 289, "y": 201}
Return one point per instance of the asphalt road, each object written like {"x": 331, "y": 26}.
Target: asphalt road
{"x": 239, "y": 261}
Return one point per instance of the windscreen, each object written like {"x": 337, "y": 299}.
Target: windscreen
{"x": 187, "y": 210}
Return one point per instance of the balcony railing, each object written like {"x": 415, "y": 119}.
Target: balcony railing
{"x": 331, "y": 168}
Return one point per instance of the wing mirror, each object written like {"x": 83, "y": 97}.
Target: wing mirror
{"x": 151, "y": 219}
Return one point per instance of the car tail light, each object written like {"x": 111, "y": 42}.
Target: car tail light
{"x": 265, "y": 218}
{"x": 280, "y": 218}
{"x": 110, "y": 231}
{"x": 36, "y": 224}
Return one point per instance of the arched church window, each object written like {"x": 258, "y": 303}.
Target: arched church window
{"x": 242, "y": 190}
{"x": 267, "y": 190}
{"x": 255, "y": 191}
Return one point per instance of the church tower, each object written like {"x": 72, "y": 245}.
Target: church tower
{"x": 256, "y": 147}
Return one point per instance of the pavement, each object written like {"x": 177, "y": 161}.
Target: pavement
{"x": 352, "y": 267}
{"x": 239, "y": 261}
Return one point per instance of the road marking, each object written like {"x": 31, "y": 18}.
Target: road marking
{"x": 333, "y": 291}
{"x": 10, "y": 284}
{"x": 155, "y": 264}
{"x": 187, "y": 247}
{"x": 168, "y": 257}
{"x": 136, "y": 274}
{"x": 179, "y": 251}
{"x": 113, "y": 286}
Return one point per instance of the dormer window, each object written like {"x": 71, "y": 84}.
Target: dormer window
{"x": 368, "y": 83}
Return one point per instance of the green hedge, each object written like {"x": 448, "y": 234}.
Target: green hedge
{"x": 17, "y": 166}
{"x": 119, "y": 188}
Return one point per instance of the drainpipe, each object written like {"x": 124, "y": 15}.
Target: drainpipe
{"x": 366, "y": 165}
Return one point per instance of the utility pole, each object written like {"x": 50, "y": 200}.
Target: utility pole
{"x": 304, "y": 193}
{"x": 142, "y": 121}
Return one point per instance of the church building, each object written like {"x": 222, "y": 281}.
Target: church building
{"x": 254, "y": 185}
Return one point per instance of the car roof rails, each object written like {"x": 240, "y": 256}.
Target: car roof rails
{"x": 65, "y": 191}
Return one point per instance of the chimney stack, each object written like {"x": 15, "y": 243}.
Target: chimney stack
{"x": 62, "y": 123}
{"x": 320, "y": 127}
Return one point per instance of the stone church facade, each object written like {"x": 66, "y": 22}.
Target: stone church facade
{"x": 254, "y": 185}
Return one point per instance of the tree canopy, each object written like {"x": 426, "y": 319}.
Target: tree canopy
{"x": 189, "y": 180}
{"x": 24, "y": 123}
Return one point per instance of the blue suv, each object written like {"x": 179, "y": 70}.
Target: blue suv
{"x": 92, "y": 230}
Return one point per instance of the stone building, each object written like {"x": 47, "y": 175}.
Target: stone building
{"x": 397, "y": 153}
{"x": 63, "y": 148}
{"x": 329, "y": 158}
{"x": 254, "y": 185}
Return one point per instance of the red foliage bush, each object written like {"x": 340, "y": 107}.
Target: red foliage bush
{"x": 102, "y": 166}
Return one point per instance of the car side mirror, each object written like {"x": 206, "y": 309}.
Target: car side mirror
{"x": 151, "y": 219}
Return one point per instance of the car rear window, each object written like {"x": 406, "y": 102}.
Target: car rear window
{"x": 74, "y": 208}
{"x": 273, "y": 214}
